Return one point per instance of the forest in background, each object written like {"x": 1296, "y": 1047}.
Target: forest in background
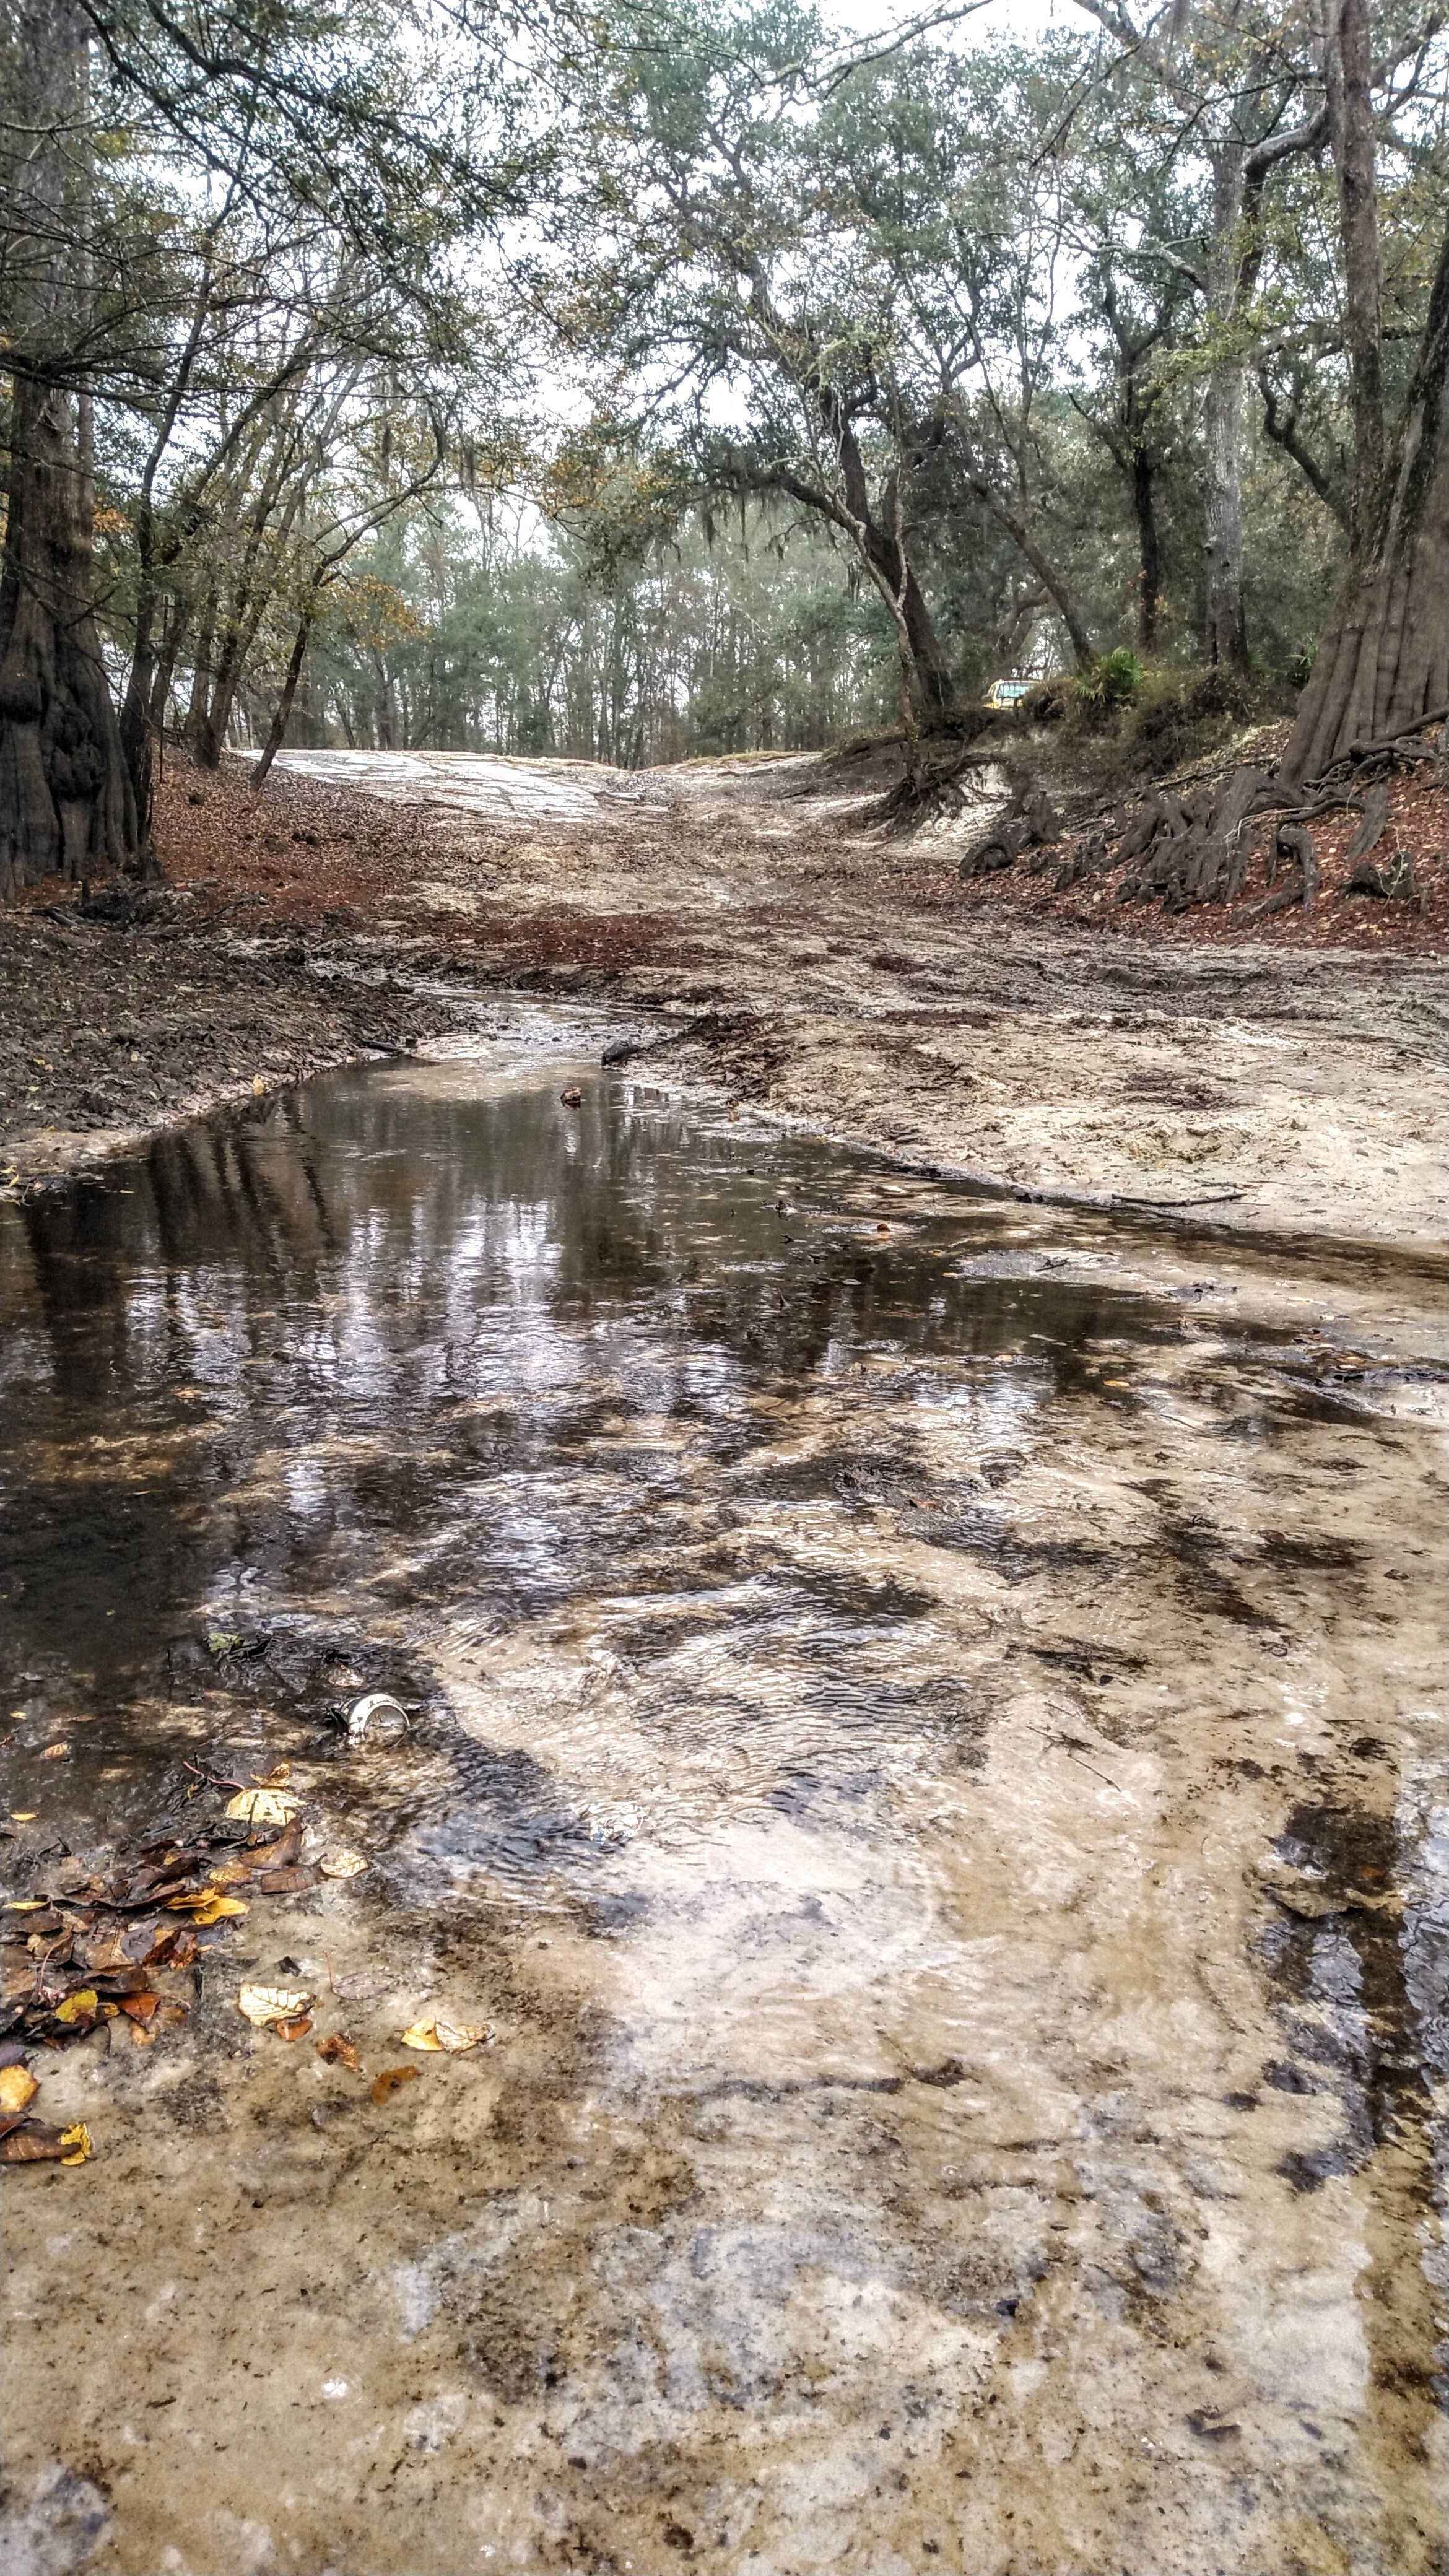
{"x": 690, "y": 378}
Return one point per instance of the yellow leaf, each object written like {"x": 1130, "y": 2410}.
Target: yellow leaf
{"x": 25, "y": 1905}
{"x": 78, "y": 2138}
{"x": 74, "y": 2005}
{"x": 17, "y": 2087}
{"x": 421, "y": 2034}
{"x": 454, "y": 2036}
{"x": 23, "y": 1815}
{"x": 215, "y": 1909}
{"x": 263, "y": 1806}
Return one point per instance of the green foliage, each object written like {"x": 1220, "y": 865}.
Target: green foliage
{"x": 1110, "y": 680}
{"x": 739, "y": 633}
{"x": 794, "y": 368}
{"x": 1181, "y": 715}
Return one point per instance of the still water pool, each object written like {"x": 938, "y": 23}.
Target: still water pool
{"x": 927, "y": 1749}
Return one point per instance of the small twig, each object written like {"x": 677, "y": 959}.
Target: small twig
{"x": 216, "y": 1779}
{"x": 1072, "y": 1744}
{"x": 1214, "y": 1198}
{"x": 43, "y": 1994}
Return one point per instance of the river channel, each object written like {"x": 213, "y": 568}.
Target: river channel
{"x": 927, "y": 1751}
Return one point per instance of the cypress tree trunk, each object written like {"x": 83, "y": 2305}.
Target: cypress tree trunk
{"x": 65, "y": 797}
{"x": 1384, "y": 661}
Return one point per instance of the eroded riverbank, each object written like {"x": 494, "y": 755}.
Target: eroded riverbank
{"x": 929, "y": 1755}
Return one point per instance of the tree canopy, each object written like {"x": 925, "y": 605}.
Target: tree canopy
{"x": 687, "y": 375}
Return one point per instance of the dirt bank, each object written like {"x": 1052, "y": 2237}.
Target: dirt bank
{"x": 834, "y": 976}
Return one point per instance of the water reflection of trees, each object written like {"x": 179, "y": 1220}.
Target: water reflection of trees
{"x": 285, "y": 1310}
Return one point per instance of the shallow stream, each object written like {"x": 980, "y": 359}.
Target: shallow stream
{"x": 928, "y": 1750}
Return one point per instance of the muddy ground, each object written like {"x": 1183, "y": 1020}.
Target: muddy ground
{"x": 927, "y": 1757}
{"x": 927, "y": 1744}
{"x": 1288, "y": 1081}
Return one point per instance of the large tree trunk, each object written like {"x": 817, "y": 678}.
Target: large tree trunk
{"x": 1348, "y": 79}
{"x": 1225, "y": 634}
{"x": 277, "y": 733}
{"x": 1384, "y": 661}
{"x": 933, "y": 676}
{"x": 136, "y": 735}
{"x": 65, "y": 799}
{"x": 1149, "y": 546}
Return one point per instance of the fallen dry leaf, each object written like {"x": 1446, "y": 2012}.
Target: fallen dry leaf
{"x": 78, "y": 2006}
{"x": 391, "y": 2082}
{"x": 339, "y": 2051}
{"x": 421, "y": 2034}
{"x": 263, "y": 2004}
{"x": 285, "y": 1882}
{"x": 263, "y": 1806}
{"x": 436, "y": 2031}
{"x": 139, "y": 2007}
{"x": 25, "y": 1905}
{"x": 23, "y": 1815}
{"x": 210, "y": 1909}
{"x": 296, "y": 2026}
{"x": 34, "y": 2143}
{"x": 339, "y": 1862}
{"x": 17, "y": 2087}
{"x": 54, "y": 1752}
{"x": 277, "y": 1855}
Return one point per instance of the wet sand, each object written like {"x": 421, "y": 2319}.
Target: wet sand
{"x": 753, "y": 914}
{"x": 928, "y": 1753}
